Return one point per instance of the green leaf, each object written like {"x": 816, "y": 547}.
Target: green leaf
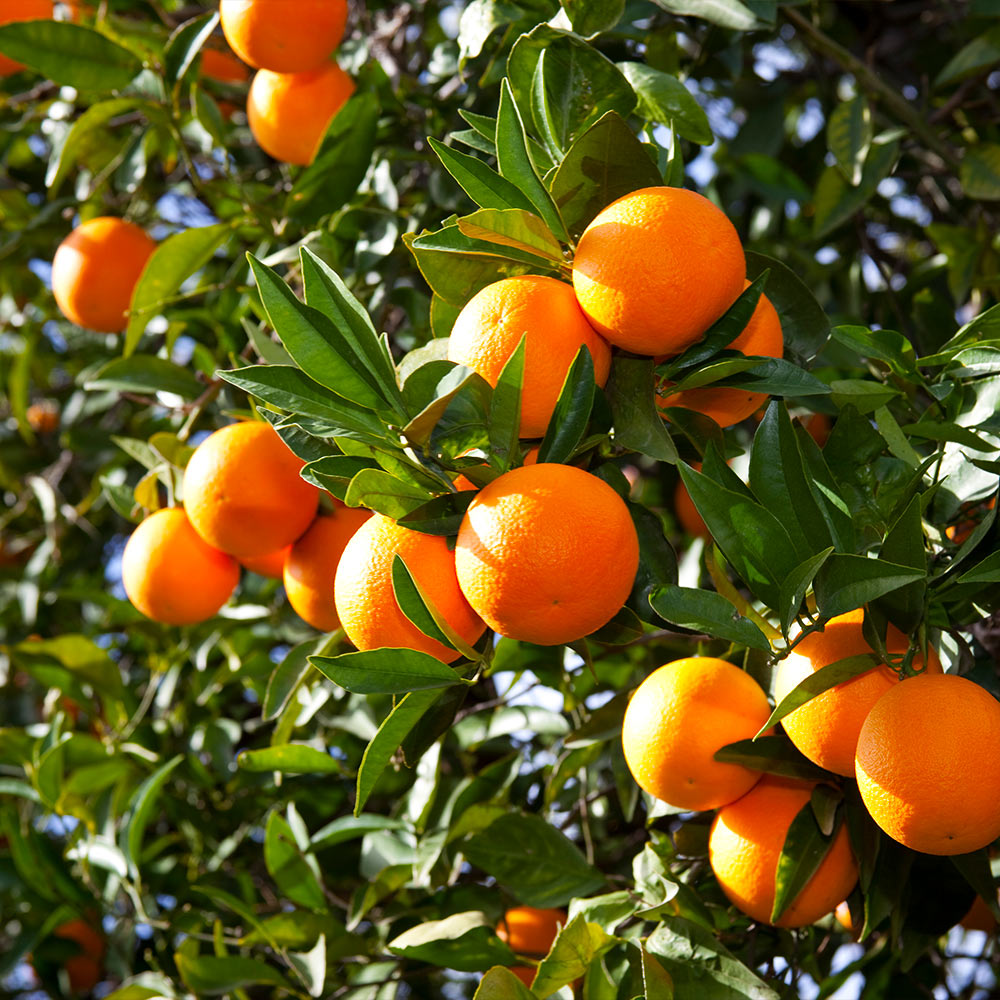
{"x": 779, "y": 480}
{"x": 657, "y": 561}
{"x": 725, "y": 13}
{"x": 805, "y": 326}
{"x": 185, "y": 43}
{"x": 849, "y": 136}
{"x": 638, "y": 424}
{"x": 980, "y": 172}
{"x": 772, "y": 754}
{"x": 656, "y": 981}
{"x": 776, "y": 377}
{"x": 512, "y": 227}
{"x": 836, "y": 201}
{"x": 569, "y": 420}
{"x": 532, "y": 859}
{"x": 291, "y": 389}
{"x": 605, "y": 163}
{"x": 885, "y": 345}
{"x": 175, "y": 259}
{"x": 441, "y": 516}
{"x": 140, "y": 812}
{"x": 291, "y": 758}
{"x": 700, "y": 966}
{"x": 70, "y": 54}
{"x": 386, "y": 671}
{"x": 505, "y": 409}
{"x": 516, "y": 166}
{"x": 416, "y": 604}
{"x": 341, "y": 162}
{"x": 802, "y": 853}
{"x": 463, "y": 941}
{"x": 82, "y": 659}
{"x": 847, "y": 582}
{"x": 501, "y": 984}
{"x": 976, "y": 56}
{"x": 207, "y": 974}
{"x": 706, "y": 611}
{"x": 481, "y": 183}
{"x": 591, "y": 17}
{"x": 986, "y": 571}
{"x": 287, "y": 676}
{"x": 317, "y": 345}
{"x": 664, "y": 99}
{"x": 380, "y": 491}
{"x": 394, "y": 729}
{"x": 577, "y": 945}
{"x": 145, "y": 374}
{"x": 794, "y": 587}
{"x": 347, "y": 828}
{"x": 66, "y": 154}
{"x": 334, "y": 473}
{"x": 864, "y": 395}
{"x": 295, "y": 873}
{"x": 750, "y": 536}
{"x": 325, "y": 290}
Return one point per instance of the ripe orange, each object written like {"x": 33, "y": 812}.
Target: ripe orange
{"x": 826, "y": 728}
{"x": 530, "y": 932}
{"x": 312, "y": 565}
{"x": 43, "y": 416}
{"x": 84, "y": 969}
{"x": 95, "y": 270}
{"x": 679, "y": 717}
{"x": 270, "y": 564}
{"x": 656, "y": 268}
{"x": 243, "y": 491}
{"x": 961, "y": 530}
{"x": 843, "y": 916}
{"x": 365, "y": 599}
{"x": 728, "y": 406}
{"x": 745, "y": 843}
{"x": 171, "y": 575}
{"x": 222, "y": 66}
{"x": 22, "y": 10}
{"x": 545, "y": 312}
{"x": 927, "y": 765}
{"x": 547, "y": 553}
{"x": 284, "y": 36}
{"x": 289, "y": 113}
{"x": 818, "y": 427}
{"x": 980, "y": 917}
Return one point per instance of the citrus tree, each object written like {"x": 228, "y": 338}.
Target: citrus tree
{"x": 499, "y": 499}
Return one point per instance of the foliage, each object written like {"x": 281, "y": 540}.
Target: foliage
{"x": 247, "y": 806}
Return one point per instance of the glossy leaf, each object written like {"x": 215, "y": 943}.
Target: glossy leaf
{"x": 801, "y": 855}
{"x": 481, "y": 183}
{"x": 569, "y": 420}
{"x": 463, "y": 941}
{"x": 505, "y": 409}
{"x": 291, "y": 758}
{"x": 578, "y": 944}
{"x": 849, "y": 136}
{"x": 705, "y": 611}
{"x": 847, "y": 582}
{"x": 145, "y": 374}
{"x": 512, "y": 227}
{"x": 638, "y": 424}
{"x": 210, "y": 975}
{"x": 772, "y": 754}
{"x": 664, "y": 99}
{"x": 295, "y": 874}
{"x": 590, "y": 17}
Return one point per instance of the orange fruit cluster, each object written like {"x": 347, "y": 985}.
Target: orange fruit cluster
{"x": 244, "y": 504}
{"x": 298, "y": 88}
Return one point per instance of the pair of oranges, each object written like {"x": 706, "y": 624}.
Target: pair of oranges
{"x": 546, "y": 553}
{"x": 920, "y": 792}
{"x": 298, "y": 88}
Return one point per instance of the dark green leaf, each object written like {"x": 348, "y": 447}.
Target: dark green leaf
{"x": 657, "y": 560}
{"x": 532, "y": 859}
{"x": 706, "y": 611}
{"x": 638, "y": 424}
{"x": 980, "y": 173}
{"x": 175, "y": 259}
{"x": 207, "y": 974}
{"x": 184, "y": 45}
{"x": 837, "y": 201}
{"x": 590, "y": 17}
{"x": 378, "y": 490}
{"x": 335, "y": 472}
{"x": 140, "y": 812}
{"x": 982, "y": 52}
{"x": 412, "y": 603}
{"x": 773, "y": 754}
{"x": 847, "y": 582}
{"x": 802, "y": 853}
{"x": 441, "y": 516}
{"x": 569, "y": 420}
{"x": 295, "y": 874}
{"x": 849, "y": 136}
{"x": 481, "y": 183}
{"x": 795, "y": 585}
{"x": 505, "y": 409}
{"x": 70, "y": 54}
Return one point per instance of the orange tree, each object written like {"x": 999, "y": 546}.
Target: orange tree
{"x": 244, "y": 805}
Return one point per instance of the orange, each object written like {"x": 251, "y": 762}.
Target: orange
{"x": 927, "y": 765}
{"x": 22, "y": 10}
{"x": 43, "y": 417}
{"x": 270, "y": 564}
{"x": 980, "y": 917}
{"x": 530, "y": 932}
{"x": 219, "y": 65}
{"x": 365, "y": 599}
{"x": 95, "y": 270}
{"x": 83, "y": 969}
{"x": 826, "y": 727}
{"x": 312, "y": 565}
{"x": 171, "y": 575}
{"x": 745, "y": 843}
{"x": 728, "y": 406}
{"x": 545, "y": 313}
{"x": 818, "y": 427}
{"x": 843, "y": 916}
{"x": 289, "y": 113}
{"x": 961, "y": 530}
{"x": 656, "y": 268}
{"x": 679, "y": 717}
{"x": 284, "y": 36}
{"x": 547, "y": 553}
{"x": 243, "y": 491}
{"x": 686, "y": 512}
